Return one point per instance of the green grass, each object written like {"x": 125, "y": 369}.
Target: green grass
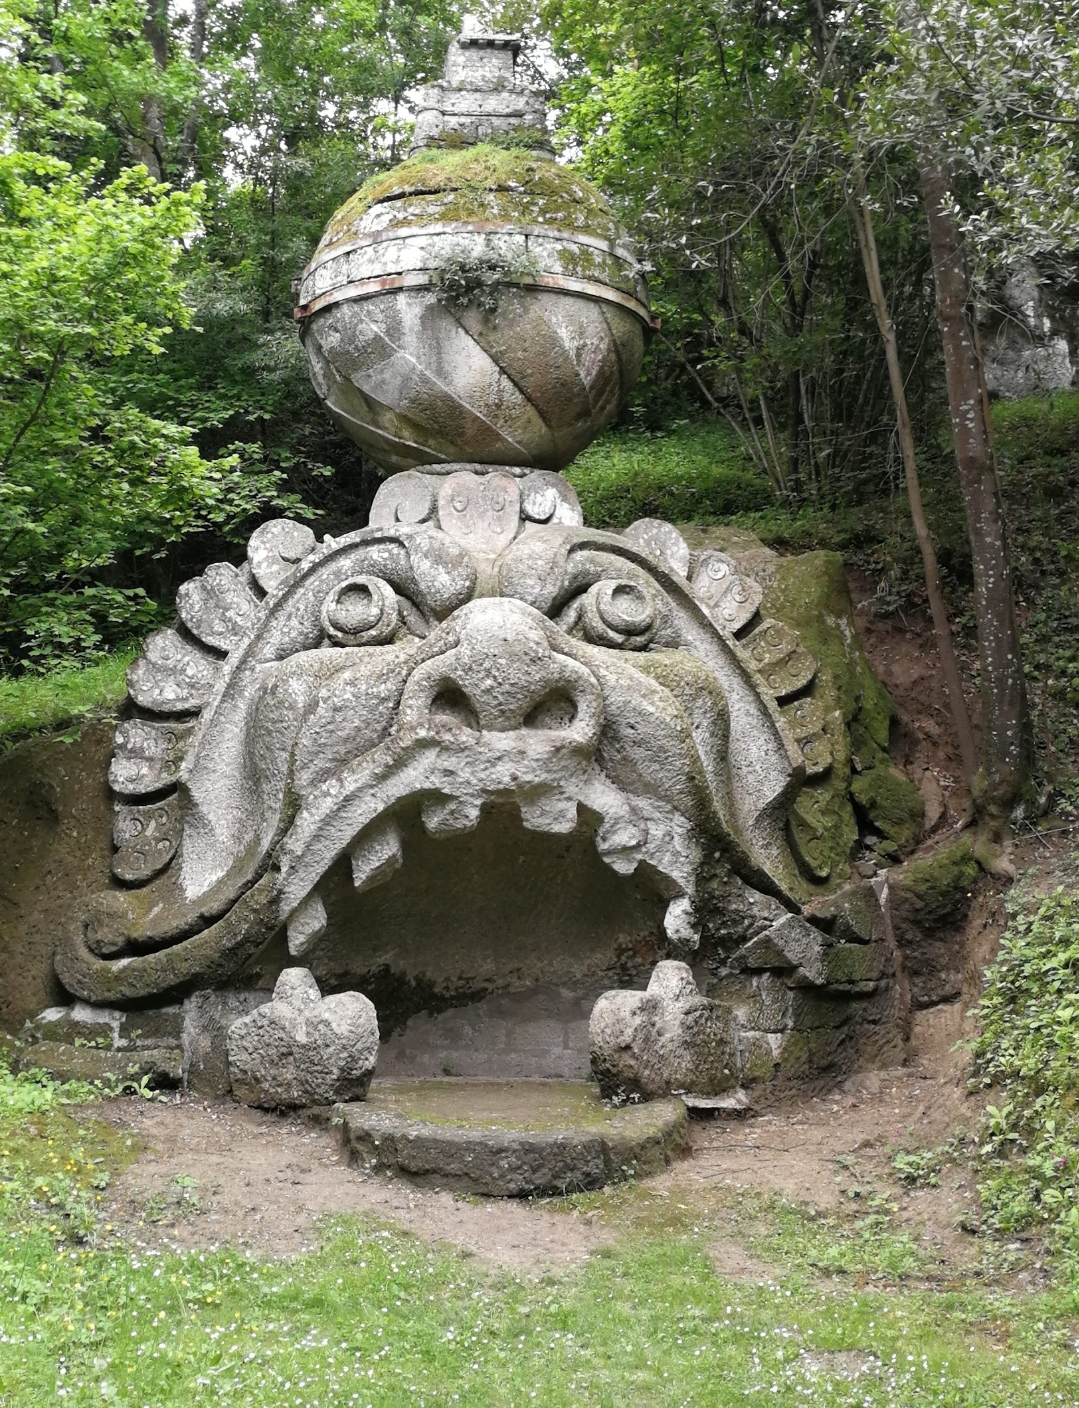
{"x": 32, "y": 703}
{"x": 377, "y": 1318}
{"x": 698, "y": 473}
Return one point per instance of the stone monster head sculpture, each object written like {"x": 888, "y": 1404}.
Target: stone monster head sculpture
{"x": 475, "y": 648}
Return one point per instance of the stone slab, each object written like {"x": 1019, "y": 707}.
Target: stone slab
{"x": 510, "y": 1138}
{"x": 162, "y": 1066}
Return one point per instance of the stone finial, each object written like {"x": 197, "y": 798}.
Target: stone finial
{"x": 302, "y": 1048}
{"x": 478, "y": 96}
{"x": 667, "y": 1040}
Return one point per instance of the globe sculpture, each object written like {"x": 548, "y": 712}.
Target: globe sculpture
{"x": 479, "y": 302}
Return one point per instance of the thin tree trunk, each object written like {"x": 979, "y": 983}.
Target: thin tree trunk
{"x": 150, "y": 146}
{"x": 863, "y": 220}
{"x": 1007, "y": 742}
{"x": 196, "y": 49}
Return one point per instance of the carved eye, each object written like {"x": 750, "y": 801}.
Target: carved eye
{"x": 361, "y": 611}
{"x": 620, "y": 614}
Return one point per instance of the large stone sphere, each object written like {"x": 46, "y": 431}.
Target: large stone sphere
{"x": 476, "y": 305}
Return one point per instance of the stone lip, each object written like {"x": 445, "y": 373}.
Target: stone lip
{"x": 525, "y": 1137}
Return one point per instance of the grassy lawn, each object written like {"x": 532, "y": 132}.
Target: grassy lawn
{"x": 841, "y": 1314}
{"x": 33, "y": 703}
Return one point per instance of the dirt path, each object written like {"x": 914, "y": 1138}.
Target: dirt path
{"x": 221, "y": 1173}
{"x": 261, "y": 1181}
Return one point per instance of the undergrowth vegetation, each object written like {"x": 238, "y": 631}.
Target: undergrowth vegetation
{"x": 1028, "y": 1051}
{"x": 697, "y": 473}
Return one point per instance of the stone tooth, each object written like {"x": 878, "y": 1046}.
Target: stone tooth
{"x": 552, "y": 812}
{"x": 447, "y": 815}
{"x": 376, "y": 855}
{"x": 619, "y": 840}
{"x": 306, "y": 924}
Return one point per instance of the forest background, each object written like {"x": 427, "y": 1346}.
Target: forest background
{"x": 167, "y": 166}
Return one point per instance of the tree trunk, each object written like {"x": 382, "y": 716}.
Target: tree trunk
{"x": 150, "y": 146}
{"x": 196, "y": 50}
{"x": 1007, "y": 742}
{"x": 863, "y": 220}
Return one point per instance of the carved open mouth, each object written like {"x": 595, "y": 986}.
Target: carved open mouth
{"x": 394, "y": 692}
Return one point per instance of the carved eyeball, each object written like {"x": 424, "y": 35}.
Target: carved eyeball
{"x": 620, "y": 614}
{"x": 361, "y": 611}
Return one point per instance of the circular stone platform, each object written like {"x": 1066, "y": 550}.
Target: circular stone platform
{"x": 509, "y": 1138}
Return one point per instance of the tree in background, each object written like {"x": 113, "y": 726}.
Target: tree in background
{"x": 155, "y": 397}
{"x": 713, "y": 128}
{"x": 987, "y": 99}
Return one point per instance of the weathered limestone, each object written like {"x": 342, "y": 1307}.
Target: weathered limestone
{"x": 511, "y": 1144}
{"x": 302, "y": 1048}
{"x": 667, "y": 1040}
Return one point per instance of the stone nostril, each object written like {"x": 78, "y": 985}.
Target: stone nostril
{"x": 557, "y": 710}
{"x": 453, "y": 707}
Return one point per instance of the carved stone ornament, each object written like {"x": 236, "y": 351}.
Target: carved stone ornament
{"x": 476, "y": 648}
{"x": 474, "y": 752}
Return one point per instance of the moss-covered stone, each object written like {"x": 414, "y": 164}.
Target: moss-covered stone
{"x": 809, "y": 593}
{"x": 159, "y": 1066}
{"x": 929, "y": 900}
{"x": 938, "y": 886}
{"x": 485, "y": 182}
{"x": 891, "y": 802}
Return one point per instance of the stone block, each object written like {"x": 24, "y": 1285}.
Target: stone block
{"x": 303, "y": 1049}
{"x": 208, "y": 1016}
{"x": 789, "y": 945}
{"x": 857, "y": 963}
{"x": 667, "y": 1039}
{"x": 161, "y": 1067}
{"x": 516, "y": 1162}
{"x": 785, "y": 1008}
{"x": 851, "y": 916}
{"x": 108, "y": 1028}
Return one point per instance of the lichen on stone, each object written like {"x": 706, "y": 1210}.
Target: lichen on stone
{"x": 487, "y": 182}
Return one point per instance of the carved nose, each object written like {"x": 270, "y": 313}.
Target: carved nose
{"x": 501, "y": 675}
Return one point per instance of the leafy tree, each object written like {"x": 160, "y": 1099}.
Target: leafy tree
{"x": 86, "y": 278}
{"x": 709, "y": 125}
